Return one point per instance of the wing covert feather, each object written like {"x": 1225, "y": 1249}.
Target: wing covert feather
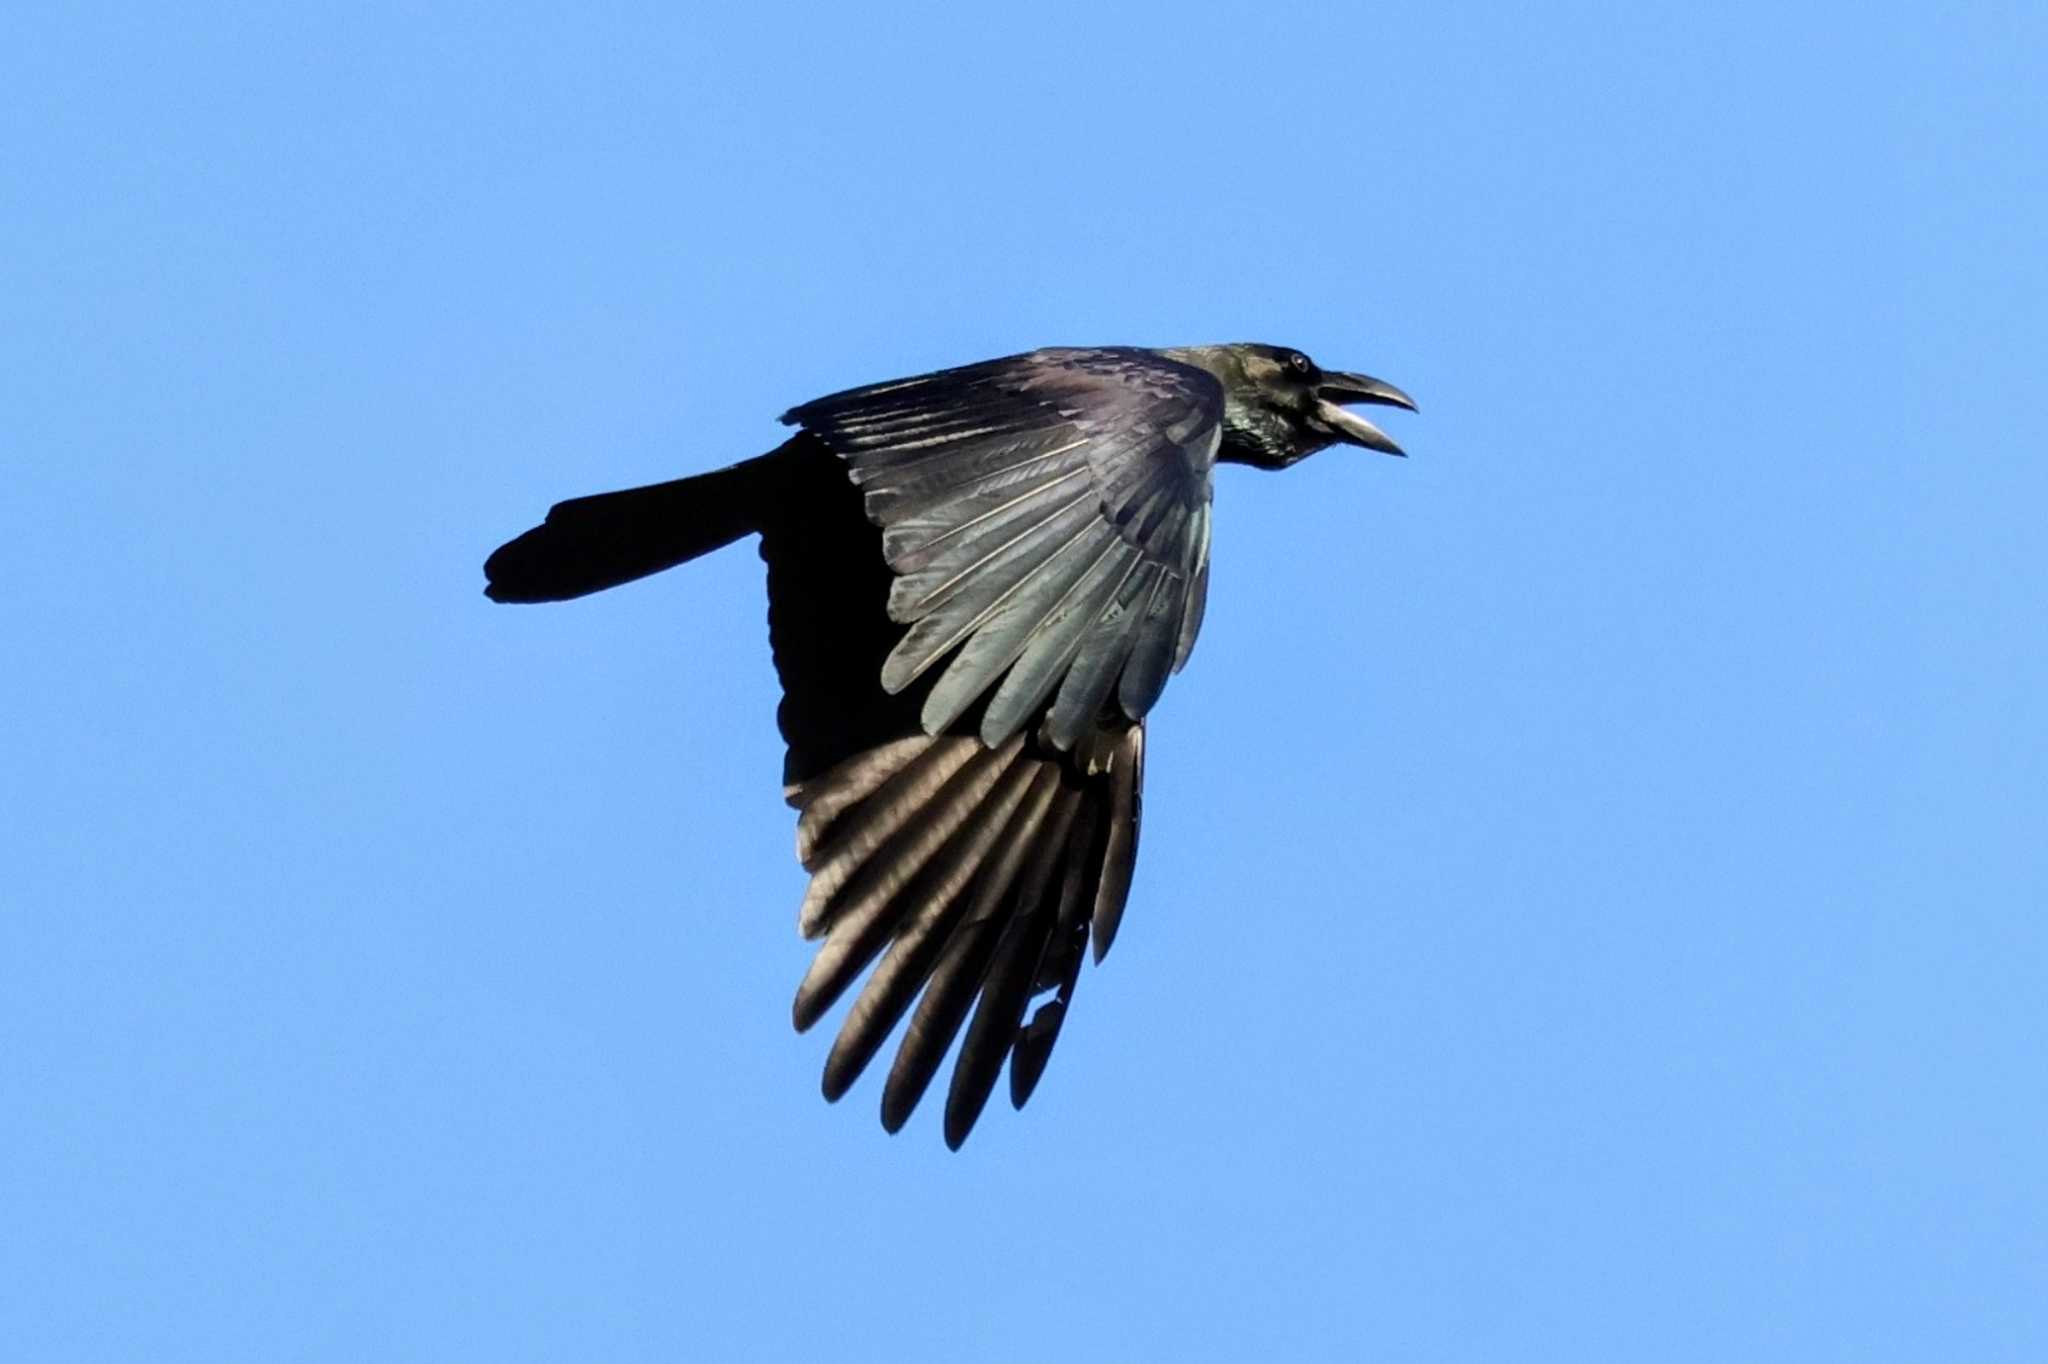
{"x": 1021, "y": 502}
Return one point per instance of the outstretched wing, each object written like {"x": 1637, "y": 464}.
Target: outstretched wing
{"x": 966, "y": 881}
{"x": 978, "y": 876}
{"x": 1047, "y": 520}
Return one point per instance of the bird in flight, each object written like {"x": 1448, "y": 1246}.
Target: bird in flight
{"x": 979, "y": 581}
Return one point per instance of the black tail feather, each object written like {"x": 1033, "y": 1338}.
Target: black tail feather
{"x": 591, "y": 543}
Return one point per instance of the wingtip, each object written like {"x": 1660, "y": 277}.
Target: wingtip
{"x": 1098, "y": 943}
{"x": 964, "y": 1106}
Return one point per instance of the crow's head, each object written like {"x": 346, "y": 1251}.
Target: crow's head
{"x": 1279, "y": 406}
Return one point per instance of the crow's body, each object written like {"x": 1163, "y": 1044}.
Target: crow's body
{"x": 979, "y": 581}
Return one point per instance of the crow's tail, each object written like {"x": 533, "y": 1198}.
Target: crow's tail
{"x": 591, "y": 543}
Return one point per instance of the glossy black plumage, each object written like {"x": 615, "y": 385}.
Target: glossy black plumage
{"x": 1020, "y": 500}
{"x": 979, "y": 582}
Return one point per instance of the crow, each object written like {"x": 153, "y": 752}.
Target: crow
{"x": 979, "y": 581}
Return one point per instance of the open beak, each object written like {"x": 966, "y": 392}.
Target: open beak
{"x": 1338, "y": 389}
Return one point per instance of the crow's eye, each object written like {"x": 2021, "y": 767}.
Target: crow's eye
{"x": 1301, "y": 363}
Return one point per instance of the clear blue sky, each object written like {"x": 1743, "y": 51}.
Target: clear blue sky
{"x": 1591, "y": 905}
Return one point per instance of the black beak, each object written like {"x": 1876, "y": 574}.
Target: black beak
{"x": 1363, "y": 388}
{"x": 1335, "y": 390}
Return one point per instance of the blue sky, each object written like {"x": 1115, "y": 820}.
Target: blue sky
{"x": 1591, "y": 897}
